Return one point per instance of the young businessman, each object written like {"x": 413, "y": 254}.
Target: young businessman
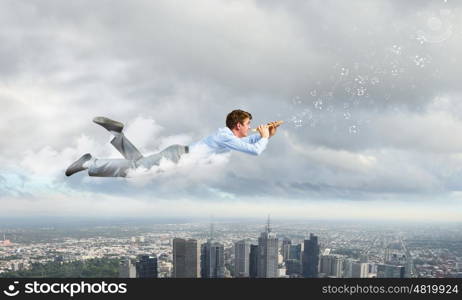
{"x": 232, "y": 137}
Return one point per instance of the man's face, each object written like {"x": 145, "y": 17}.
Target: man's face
{"x": 243, "y": 128}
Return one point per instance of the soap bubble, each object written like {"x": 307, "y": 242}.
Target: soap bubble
{"x": 375, "y": 80}
{"x": 360, "y": 80}
{"x": 396, "y": 49}
{"x": 353, "y": 129}
{"x": 344, "y": 72}
{"x": 419, "y": 61}
{"x": 318, "y": 104}
{"x": 296, "y": 100}
{"x": 436, "y": 27}
{"x": 361, "y": 91}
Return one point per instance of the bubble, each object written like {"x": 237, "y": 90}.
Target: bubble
{"x": 296, "y": 100}
{"x": 361, "y": 91}
{"x": 375, "y": 80}
{"x": 344, "y": 72}
{"x": 436, "y": 28}
{"x": 298, "y": 123}
{"x": 360, "y": 80}
{"x": 394, "y": 72}
{"x": 434, "y": 23}
{"x": 330, "y": 108}
{"x": 318, "y": 104}
{"x": 353, "y": 129}
{"x": 419, "y": 61}
{"x": 396, "y": 49}
{"x": 313, "y": 93}
{"x": 346, "y": 105}
{"x": 347, "y": 115}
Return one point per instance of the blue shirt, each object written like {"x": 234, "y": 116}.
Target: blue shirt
{"x": 223, "y": 140}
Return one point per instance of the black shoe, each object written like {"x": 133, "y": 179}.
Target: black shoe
{"x": 77, "y": 166}
{"x": 109, "y": 124}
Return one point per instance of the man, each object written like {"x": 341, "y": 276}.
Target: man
{"x": 232, "y": 137}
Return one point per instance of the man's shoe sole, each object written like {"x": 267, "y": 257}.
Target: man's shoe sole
{"x": 109, "y": 124}
{"x": 77, "y": 166}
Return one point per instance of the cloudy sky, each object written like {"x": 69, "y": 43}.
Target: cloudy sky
{"x": 369, "y": 91}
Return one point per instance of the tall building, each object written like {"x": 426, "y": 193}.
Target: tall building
{"x": 146, "y": 266}
{"x": 127, "y": 268}
{"x": 212, "y": 260}
{"x": 360, "y": 270}
{"x": 253, "y": 261}
{"x": 390, "y": 271}
{"x": 286, "y": 243}
{"x": 241, "y": 258}
{"x": 293, "y": 267}
{"x": 348, "y": 267}
{"x": 267, "y": 254}
{"x": 295, "y": 251}
{"x": 310, "y": 259}
{"x": 186, "y": 258}
{"x": 332, "y": 265}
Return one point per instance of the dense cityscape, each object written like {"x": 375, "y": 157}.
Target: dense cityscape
{"x": 268, "y": 249}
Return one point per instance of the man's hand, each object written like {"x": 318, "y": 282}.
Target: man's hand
{"x": 264, "y": 131}
{"x": 273, "y": 127}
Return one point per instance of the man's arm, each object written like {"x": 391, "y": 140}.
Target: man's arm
{"x": 242, "y": 146}
{"x": 256, "y": 148}
{"x": 251, "y": 139}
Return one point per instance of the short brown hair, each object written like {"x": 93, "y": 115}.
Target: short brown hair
{"x": 236, "y": 116}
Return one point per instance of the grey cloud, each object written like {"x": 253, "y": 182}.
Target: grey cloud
{"x": 351, "y": 79}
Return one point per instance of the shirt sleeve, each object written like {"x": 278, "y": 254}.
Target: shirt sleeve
{"x": 251, "y": 139}
{"x": 242, "y": 145}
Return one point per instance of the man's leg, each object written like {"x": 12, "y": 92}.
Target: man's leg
{"x": 120, "y": 142}
{"x": 110, "y": 167}
{"x": 172, "y": 153}
{"x": 125, "y": 147}
{"x": 100, "y": 167}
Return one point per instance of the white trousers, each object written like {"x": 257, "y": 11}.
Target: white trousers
{"x": 133, "y": 158}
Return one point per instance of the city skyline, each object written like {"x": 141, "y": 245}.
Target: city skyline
{"x": 344, "y": 250}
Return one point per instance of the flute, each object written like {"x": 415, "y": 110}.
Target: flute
{"x": 270, "y": 125}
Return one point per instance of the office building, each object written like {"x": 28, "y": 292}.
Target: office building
{"x": 267, "y": 254}
{"x": 241, "y": 258}
{"x": 310, "y": 258}
{"x": 212, "y": 260}
{"x": 186, "y": 258}
{"x": 146, "y": 266}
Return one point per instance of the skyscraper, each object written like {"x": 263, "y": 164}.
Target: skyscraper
{"x": 294, "y": 267}
{"x": 146, "y": 266}
{"x": 186, "y": 258}
{"x": 253, "y": 261}
{"x": 286, "y": 243}
{"x": 295, "y": 251}
{"x": 127, "y": 268}
{"x": 360, "y": 270}
{"x": 390, "y": 271}
{"x": 332, "y": 265}
{"x": 310, "y": 258}
{"x": 241, "y": 258}
{"x": 212, "y": 260}
{"x": 267, "y": 254}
